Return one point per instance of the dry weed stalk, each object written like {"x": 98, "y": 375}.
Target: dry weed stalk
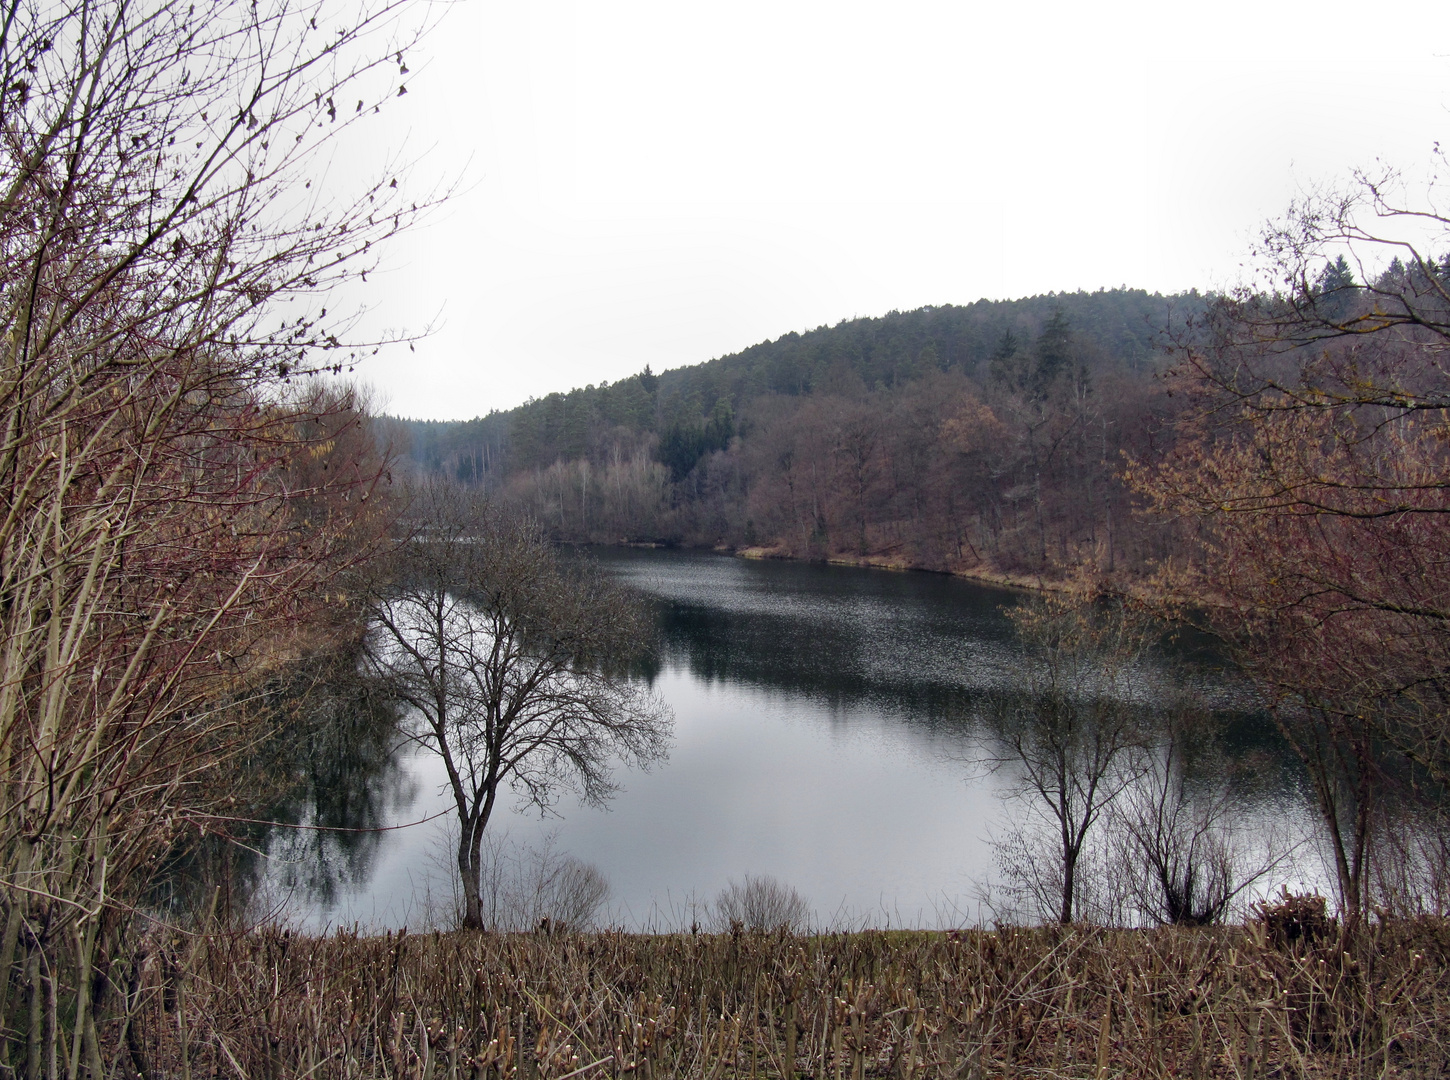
{"x": 1055, "y": 1001}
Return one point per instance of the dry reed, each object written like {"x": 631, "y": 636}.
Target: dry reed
{"x": 1248, "y": 1002}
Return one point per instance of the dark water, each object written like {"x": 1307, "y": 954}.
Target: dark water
{"x": 827, "y": 732}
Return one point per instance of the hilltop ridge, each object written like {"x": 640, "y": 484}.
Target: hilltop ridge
{"x": 980, "y": 438}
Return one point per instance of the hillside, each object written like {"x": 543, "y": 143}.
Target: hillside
{"x": 980, "y": 438}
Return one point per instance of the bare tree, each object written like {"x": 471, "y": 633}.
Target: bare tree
{"x": 514, "y": 662}
{"x": 1412, "y": 863}
{"x": 522, "y": 886}
{"x": 549, "y": 889}
{"x": 1178, "y": 845}
{"x": 1310, "y": 465}
{"x": 1067, "y": 735}
{"x": 172, "y": 511}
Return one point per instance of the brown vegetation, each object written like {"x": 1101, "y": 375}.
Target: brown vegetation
{"x": 1285, "y": 996}
{"x": 1310, "y": 466}
{"x": 945, "y": 472}
{"x": 174, "y": 510}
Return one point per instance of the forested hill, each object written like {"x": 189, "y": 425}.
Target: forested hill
{"x": 677, "y": 456}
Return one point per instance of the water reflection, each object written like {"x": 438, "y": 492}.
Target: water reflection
{"x": 828, "y": 720}
{"x": 327, "y": 773}
{"x": 925, "y": 646}
{"x": 347, "y": 781}
{"x": 837, "y": 635}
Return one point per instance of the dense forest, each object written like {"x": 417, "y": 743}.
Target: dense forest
{"x": 986, "y": 438}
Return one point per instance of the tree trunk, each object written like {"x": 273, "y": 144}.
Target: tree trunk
{"x": 468, "y": 870}
{"x": 470, "y": 861}
{"x": 1069, "y": 886}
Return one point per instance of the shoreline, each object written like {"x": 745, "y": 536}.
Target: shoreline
{"x": 1001, "y": 579}
{"x": 998, "y": 578}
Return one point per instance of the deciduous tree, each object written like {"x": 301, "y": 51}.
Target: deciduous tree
{"x": 514, "y": 663}
{"x": 173, "y": 504}
{"x": 1067, "y": 735}
{"x": 1311, "y": 458}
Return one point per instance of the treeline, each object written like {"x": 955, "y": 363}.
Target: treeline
{"x": 985, "y": 437}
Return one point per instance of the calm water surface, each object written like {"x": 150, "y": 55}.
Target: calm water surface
{"x": 824, "y": 735}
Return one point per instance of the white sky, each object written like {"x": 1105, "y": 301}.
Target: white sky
{"x": 663, "y": 182}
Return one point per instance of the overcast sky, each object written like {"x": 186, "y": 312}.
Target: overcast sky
{"x": 661, "y": 183}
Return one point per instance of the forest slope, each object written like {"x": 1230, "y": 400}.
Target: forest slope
{"x": 982, "y": 439}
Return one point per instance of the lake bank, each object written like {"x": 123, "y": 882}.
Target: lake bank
{"x": 984, "y": 576}
{"x": 979, "y": 574}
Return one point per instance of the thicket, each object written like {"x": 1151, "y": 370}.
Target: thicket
{"x": 177, "y": 509}
{"x": 1309, "y": 467}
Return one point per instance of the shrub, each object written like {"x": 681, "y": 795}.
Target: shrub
{"x": 761, "y": 903}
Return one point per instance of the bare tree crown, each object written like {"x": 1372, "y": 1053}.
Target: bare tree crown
{"x": 515, "y": 663}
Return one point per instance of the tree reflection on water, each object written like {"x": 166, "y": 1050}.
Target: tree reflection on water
{"x": 327, "y": 780}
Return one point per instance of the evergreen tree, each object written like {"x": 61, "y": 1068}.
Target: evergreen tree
{"x": 1005, "y": 367}
{"x": 1336, "y": 277}
{"x": 1054, "y": 354}
{"x": 1335, "y": 289}
{"x": 721, "y": 428}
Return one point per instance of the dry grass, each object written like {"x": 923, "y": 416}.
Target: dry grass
{"x": 1049, "y": 1002}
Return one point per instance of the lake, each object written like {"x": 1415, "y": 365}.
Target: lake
{"x": 827, "y": 733}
